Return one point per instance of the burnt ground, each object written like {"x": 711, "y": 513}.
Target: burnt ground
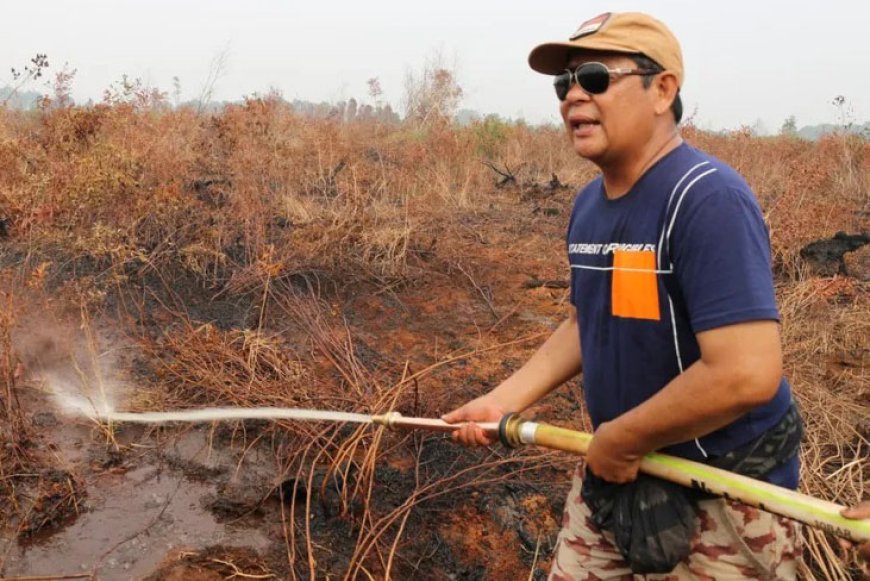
{"x": 213, "y": 501}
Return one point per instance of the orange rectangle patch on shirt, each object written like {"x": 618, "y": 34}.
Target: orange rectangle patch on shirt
{"x": 635, "y": 289}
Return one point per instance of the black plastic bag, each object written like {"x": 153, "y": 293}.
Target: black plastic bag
{"x": 653, "y": 520}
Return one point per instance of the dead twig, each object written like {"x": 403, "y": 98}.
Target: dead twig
{"x": 485, "y": 291}
{"x": 507, "y": 176}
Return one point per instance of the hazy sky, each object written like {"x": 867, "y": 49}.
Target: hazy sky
{"x": 765, "y": 59}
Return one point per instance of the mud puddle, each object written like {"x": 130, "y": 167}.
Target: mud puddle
{"x": 131, "y": 524}
{"x": 136, "y": 510}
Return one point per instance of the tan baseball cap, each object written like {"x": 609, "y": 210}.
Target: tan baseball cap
{"x": 628, "y": 32}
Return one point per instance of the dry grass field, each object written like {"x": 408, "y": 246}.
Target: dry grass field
{"x": 171, "y": 258}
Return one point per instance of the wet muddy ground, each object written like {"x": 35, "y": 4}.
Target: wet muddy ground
{"x": 135, "y": 507}
{"x": 183, "y": 502}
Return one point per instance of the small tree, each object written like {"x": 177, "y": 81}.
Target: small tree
{"x": 845, "y": 112}
{"x": 375, "y": 90}
{"x": 789, "y": 126}
{"x": 433, "y": 96}
{"x": 31, "y": 72}
{"x": 350, "y": 112}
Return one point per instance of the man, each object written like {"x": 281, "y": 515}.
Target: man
{"x": 673, "y": 323}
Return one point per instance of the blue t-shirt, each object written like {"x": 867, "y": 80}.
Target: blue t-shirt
{"x": 684, "y": 251}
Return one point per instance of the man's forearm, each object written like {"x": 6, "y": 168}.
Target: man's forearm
{"x": 692, "y": 405}
{"x": 710, "y": 394}
{"x": 555, "y": 362}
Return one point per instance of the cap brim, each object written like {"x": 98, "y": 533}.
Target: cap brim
{"x": 552, "y": 58}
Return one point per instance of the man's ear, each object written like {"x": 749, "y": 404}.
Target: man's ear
{"x": 665, "y": 87}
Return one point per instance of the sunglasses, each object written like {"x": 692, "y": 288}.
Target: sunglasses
{"x": 594, "y": 78}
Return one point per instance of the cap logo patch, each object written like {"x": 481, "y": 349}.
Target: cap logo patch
{"x": 591, "y": 25}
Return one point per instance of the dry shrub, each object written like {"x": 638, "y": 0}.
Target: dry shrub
{"x": 207, "y": 366}
{"x": 807, "y": 190}
{"x": 14, "y": 459}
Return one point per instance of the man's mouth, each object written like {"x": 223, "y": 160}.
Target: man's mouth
{"x": 583, "y": 126}
{"x": 581, "y": 123}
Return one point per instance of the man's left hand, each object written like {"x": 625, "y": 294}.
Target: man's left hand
{"x": 609, "y": 458}
{"x": 861, "y": 510}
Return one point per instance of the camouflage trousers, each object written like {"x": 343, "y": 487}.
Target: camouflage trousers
{"x": 732, "y": 541}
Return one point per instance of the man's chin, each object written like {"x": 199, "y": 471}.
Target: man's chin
{"x": 589, "y": 151}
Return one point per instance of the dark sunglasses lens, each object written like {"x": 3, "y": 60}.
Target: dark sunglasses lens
{"x": 593, "y": 78}
{"x": 562, "y": 83}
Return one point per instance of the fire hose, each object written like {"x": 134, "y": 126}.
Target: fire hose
{"x": 514, "y": 432}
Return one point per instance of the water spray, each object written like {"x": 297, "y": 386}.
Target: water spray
{"x": 391, "y": 420}
{"x": 514, "y": 432}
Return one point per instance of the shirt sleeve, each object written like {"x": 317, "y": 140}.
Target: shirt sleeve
{"x": 721, "y": 256}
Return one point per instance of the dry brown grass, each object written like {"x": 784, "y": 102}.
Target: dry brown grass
{"x": 158, "y": 211}
{"x": 14, "y": 460}
{"x": 826, "y": 323}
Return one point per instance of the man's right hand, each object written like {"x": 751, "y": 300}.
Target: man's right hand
{"x": 555, "y": 362}
{"x": 482, "y": 409}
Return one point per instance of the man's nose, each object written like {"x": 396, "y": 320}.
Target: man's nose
{"x": 575, "y": 93}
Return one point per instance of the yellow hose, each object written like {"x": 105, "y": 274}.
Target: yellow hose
{"x": 513, "y": 431}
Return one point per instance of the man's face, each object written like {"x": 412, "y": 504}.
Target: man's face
{"x": 606, "y": 127}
